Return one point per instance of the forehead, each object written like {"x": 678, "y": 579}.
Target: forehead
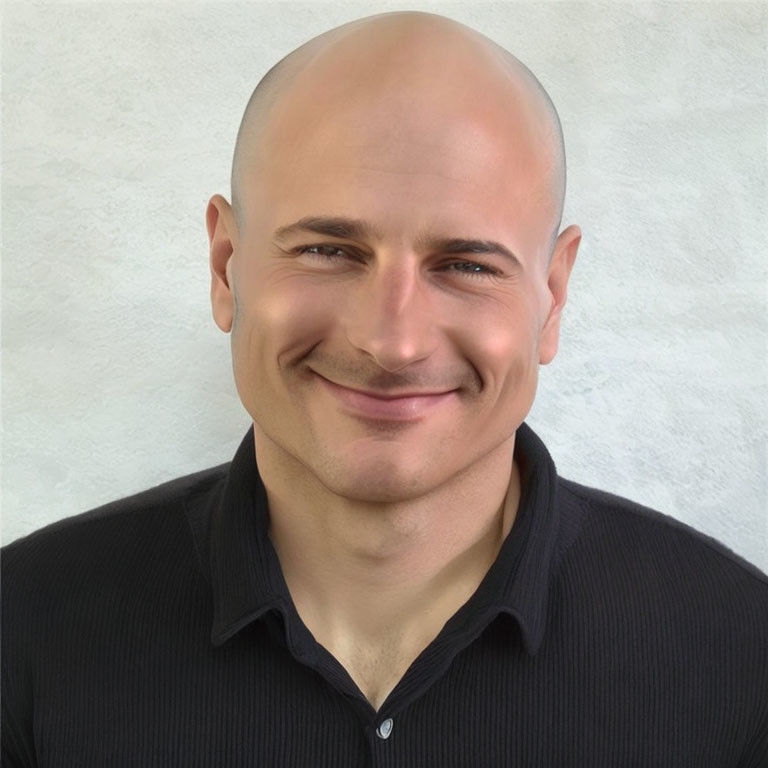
{"x": 461, "y": 138}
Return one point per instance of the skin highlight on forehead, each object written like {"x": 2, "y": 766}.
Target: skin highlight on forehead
{"x": 421, "y": 66}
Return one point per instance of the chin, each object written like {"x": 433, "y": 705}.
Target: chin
{"x": 375, "y": 479}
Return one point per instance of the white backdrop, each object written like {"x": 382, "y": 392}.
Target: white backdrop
{"x": 119, "y": 122}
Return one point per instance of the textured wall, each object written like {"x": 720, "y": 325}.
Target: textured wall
{"x": 119, "y": 122}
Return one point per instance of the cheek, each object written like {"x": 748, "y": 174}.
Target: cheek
{"x": 510, "y": 348}
{"x": 515, "y": 366}
{"x": 279, "y": 319}
{"x": 510, "y": 329}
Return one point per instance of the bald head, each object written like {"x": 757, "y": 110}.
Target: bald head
{"x": 430, "y": 63}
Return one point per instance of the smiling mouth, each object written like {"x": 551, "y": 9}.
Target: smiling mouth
{"x": 387, "y": 396}
{"x": 403, "y": 407}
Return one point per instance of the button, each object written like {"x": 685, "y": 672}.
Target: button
{"x": 384, "y": 729}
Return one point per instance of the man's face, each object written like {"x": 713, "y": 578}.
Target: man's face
{"x": 398, "y": 308}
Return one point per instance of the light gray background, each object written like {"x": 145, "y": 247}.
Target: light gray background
{"x": 119, "y": 122}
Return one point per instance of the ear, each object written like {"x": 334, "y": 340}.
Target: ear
{"x": 558, "y": 272}
{"x": 222, "y": 232}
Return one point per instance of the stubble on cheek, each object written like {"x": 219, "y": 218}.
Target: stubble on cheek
{"x": 236, "y": 311}
{"x": 522, "y": 380}
{"x": 241, "y": 351}
{"x": 241, "y": 346}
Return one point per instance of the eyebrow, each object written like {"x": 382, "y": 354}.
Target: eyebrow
{"x": 333, "y": 226}
{"x": 462, "y": 245}
{"x": 356, "y": 229}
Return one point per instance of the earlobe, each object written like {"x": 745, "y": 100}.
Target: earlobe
{"x": 220, "y": 225}
{"x": 558, "y": 273}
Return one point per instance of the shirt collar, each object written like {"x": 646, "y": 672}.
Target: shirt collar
{"x": 247, "y": 579}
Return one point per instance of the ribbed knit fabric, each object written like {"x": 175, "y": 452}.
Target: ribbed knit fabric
{"x": 158, "y": 631}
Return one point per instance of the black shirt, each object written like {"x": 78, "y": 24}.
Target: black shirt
{"x": 158, "y": 631}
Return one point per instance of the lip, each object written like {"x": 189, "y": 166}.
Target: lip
{"x": 403, "y": 408}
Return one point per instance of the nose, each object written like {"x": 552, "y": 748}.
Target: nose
{"x": 389, "y": 315}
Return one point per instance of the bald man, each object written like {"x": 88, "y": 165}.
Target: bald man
{"x": 390, "y": 571}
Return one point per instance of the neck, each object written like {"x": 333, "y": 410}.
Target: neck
{"x": 389, "y": 576}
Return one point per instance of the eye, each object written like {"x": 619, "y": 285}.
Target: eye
{"x": 323, "y": 252}
{"x": 475, "y": 270}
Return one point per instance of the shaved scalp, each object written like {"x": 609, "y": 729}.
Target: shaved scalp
{"x": 275, "y": 84}
{"x": 264, "y": 95}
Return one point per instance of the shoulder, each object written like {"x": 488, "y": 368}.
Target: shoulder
{"x": 673, "y": 605}
{"x": 617, "y": 535}
{"x": 105, "y": 539}
{"x": 100, "y": 578}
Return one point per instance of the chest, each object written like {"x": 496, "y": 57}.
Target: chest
{"x": 377, "y": 670}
